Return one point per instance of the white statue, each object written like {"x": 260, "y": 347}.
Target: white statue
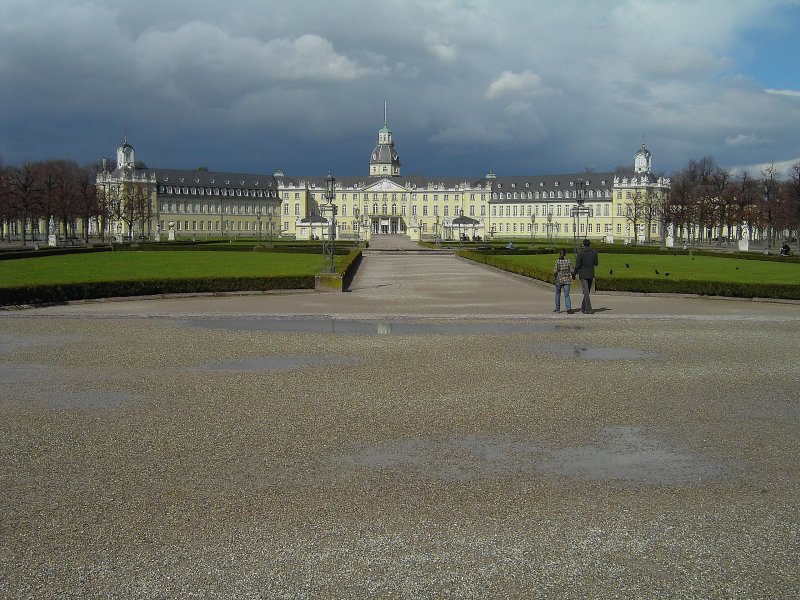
{"x": 671, "y": 231}
{"x": 745, "y": 231}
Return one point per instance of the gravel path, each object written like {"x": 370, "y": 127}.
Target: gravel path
{"x": 185, "y": 448}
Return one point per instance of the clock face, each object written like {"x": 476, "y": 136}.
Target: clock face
{"x": 374, "y": 156}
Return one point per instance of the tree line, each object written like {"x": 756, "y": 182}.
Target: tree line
{"x": 718, "y": 202}
{"x": 37, "y": 192}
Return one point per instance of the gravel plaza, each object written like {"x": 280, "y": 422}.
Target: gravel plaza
{"x": 435, "y": 432}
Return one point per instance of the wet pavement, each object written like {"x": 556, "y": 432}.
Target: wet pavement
{"x": 436, "y": 432}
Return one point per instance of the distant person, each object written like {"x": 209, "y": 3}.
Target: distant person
{"x": 585, "y": 263}
{"x": 785, "y": 251}
{"x": 562, "y": 272}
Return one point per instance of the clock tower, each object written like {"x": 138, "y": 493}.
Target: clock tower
{"x": 384, "y": 161}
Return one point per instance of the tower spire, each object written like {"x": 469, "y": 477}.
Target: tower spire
{"x": 384, "y": 113}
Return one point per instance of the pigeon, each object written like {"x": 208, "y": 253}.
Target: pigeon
{"x": 627, "y": 266}
{"x": 666, "y": 274}
{"x": 611, "y": 271}
{"x": 657, "y": 273}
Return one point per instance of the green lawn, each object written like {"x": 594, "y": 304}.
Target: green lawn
{"x": 125, "y": 266}
{"x": 682, "y": 268}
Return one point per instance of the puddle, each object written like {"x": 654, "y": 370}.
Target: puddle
{"x": 13, "y": 343}
{"x": 588, "y": 353}
{"x": 630, "y": 454}
{"x": 455, "y": 459}
{"x": 91, "y": 399}
{"x": 11, "y": 373}
{"x": 273, "y": 363}
{"x": 364, "y": 327}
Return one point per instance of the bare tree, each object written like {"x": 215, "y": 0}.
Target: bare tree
{"x": 769, "y": 200}
{"x": 86, "y": 196}
{"x": 25, "y": 192}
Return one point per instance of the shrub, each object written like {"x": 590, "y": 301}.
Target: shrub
{"x": 36, "y": 294}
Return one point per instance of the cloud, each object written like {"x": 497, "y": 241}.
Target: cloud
{"x": 783, "y": 167}
{"x": 746, "y": 139}
{"x": 528, "y": 85}
{"x": 789, "y": 93}
{"x": 524, "y": 84}
{"x": 438, "y": 46}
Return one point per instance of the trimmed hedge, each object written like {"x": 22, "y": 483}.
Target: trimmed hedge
{"x": 650, "y": 286}
{"x": 349, "y": 266}
{"x": 787, "y": 291}
{"x": 38, "y": 294}
{"x": 496, "y": 260}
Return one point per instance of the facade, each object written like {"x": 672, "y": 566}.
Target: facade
{"x": 154, "y": 203}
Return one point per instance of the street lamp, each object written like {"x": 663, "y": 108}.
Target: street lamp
{"x": 356, "y": 224}
{"x": 578, "y": 211}
{"x": 533, "y": 220}
{"x": 269, "y": 224}
{"x": 258, "y": 218}
{"x": 330, "y": 195}
{"x": 436, "y": 236}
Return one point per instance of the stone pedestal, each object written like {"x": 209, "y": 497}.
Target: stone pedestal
{"x": 328, "y": 282}
{"x": 171, "y": 236}
{"x": 670, "y": 241}
{"x": 609, "y": 239}
{"x": 744, "y": 245}
{"x": 52, "y": 241}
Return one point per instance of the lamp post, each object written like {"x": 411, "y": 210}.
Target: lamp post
{"x": 258, "y": 218}
{"x": 269, "y": 224}
{"x": 436, "y": 236}
{"x": 578, "y": 211}
{"x": 460, "y": 232}
{"x": 330, "y": 195}
{"x": 533, "y": 220}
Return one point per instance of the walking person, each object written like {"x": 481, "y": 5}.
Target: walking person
{"x": 562, "y": 272}
{"x": 585, "y": 262}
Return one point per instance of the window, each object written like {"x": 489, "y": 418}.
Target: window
{"x": 424, "y": 211}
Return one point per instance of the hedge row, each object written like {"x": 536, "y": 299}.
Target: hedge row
{"x": 37, "y": 294}
{"x": 349, "y": 266}
{"x": 498, "y": 261}
{"x": 200, "y": 246}
{"x": 789, "y": 291}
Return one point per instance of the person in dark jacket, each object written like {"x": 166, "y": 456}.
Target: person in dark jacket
{"x": 585, "y": 262}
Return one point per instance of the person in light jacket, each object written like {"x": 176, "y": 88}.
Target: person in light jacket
{"x": 562, "y": 272}
{"x": 585, "y": 263}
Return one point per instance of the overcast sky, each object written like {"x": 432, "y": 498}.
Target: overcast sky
{"x": 522, "y": 87}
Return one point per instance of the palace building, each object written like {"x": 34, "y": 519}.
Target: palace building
{"x": 181, "y": 204}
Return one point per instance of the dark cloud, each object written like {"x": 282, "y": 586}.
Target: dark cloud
{"x": 519, "y": 87}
